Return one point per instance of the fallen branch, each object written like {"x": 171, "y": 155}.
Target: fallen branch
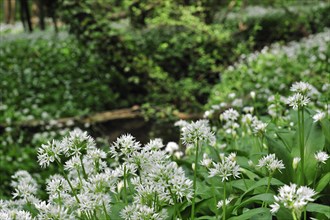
{"x": 127, "y": 113}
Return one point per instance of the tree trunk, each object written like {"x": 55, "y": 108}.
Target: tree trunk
{"x": 25, "y": 15}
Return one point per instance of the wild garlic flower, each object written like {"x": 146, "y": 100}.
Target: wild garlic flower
{"x": 293, "y": 198}
{"x": 271, "y": 163}
{"x": 15, "y": 215}
{"x": 25, "y": 187}
{"x": 301, "y": 87}
{"x": 258, "y": 127}
{"x": 297, "y": 101}
{"x": 57, "y": 184}
{"x": 125, "y": 145}
{"x": 181, "y": 124}
{"x": 221, "y": 202}
{"x": 154, "y": 145}
{"x": 295, "y": 162}
{"x": 318, "y": 116}
{"x": 321, "y": 156}
{"x": 206, "y": 162}
{"x": 171, "y": 147}
{"x": 52, "y": 211}
{"x": 26, "y": 191}
{"x": 49, "y": 152}
{"x": 170, "y": 176}
{"x": 197, "y": 131}
{"x": 229, "y": 115}
{"x": 141, "y": 212}
{"x": 77, "y": 143}
{"x": 178, "y": 154}
{"x": 226, "y": 168}
{"x": 73, "y": 163}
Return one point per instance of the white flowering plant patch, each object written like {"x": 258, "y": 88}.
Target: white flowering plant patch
{"x": 241, "y": 167}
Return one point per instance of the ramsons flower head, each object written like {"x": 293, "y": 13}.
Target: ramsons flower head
{"x": 125, "y": 145}
{"x": 293, "y": 198}
{"x": 297, "y": 101}
{"x": 197, "y": 131}
{"x": 226, "y": 168}
{"x": 321, "y": 156}
{"x": 318, "y": 116}
{"x": 271, "y": 163}
{"x": 301, "y": 87}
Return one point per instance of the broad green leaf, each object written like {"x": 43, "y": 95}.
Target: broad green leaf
{"x": 325, "y": 124}
{"x": 286, "y": 137}
{"x": 314, "y": 141}
{"x": 261, "y": 182}
{"x": 323, "y": 209}
{"x": 115, "y": 210}
{"x": 324, "y": 181}
{"x": 242, "y": 184}
{"x": 250, "y": 213}
{"x": 265, "y": 197}
{"x": 277, "y": 147}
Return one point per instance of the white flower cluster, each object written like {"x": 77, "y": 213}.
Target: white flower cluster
{"x": 293, "y": 198}
{"x": 75, "y": 144}
{"x": 198, "y": 131}
{"x": 230, "y": 116}
{"x": 226, "y": 168}
{"x": 87, "y": 184}
{"x": 271, "y": 163}
{"x": 321, "y": 157}
{"x": 300, "y": 98}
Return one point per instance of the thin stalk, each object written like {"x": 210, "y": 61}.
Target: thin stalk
{"x": 83, "y": 168}
{"x": 105, "y": 212}
{"x": 177, "y": 212}
{"x": 59, "y": 199}
{"x": 301, "y": 142}
{"x": 305, "y": 214}
{"x": 67, "y": 179}
{"x": 268, "y": 186}
{"x": 224, "y": 201}
{"x": 215, "y": 200}
{"x": 125, "y": 186}
{"x": 315, "y": 176}
{"x": 294, "y": 215}
{"x": 194, "y": 183}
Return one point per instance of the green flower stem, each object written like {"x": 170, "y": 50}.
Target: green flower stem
{"x": 224, "y": 201}
{"x": 67, "y": 179}
{"x": 194, "y": 183}
{"x": 83, "y": 168}
{"x": 176, "y": 211}
{"x": 125, "y": 186}
{"x": 215, "y": 200}
{"x": 59, "y": 199}
{"x": 264, "y": 204}
{"x": 316, "y": 173}
{"x": 294, "y": 215}
{"x": 301, "y": 143}
{"x": 105, "y": 212}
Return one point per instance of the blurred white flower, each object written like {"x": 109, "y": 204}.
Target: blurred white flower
{"x": 226, "y": 168}
{"x": 295, "y": 162}
{"x": 271, "y": 163}
{"x": 321, "y": 156}
{"x": 318, "y": 116}
{"x": 293, "y": 198}
{"x": 301, "y": 87}
{"x": 171, "y": 147}
{"x": 197, "y": 131}
{"x": 297, "y": 101}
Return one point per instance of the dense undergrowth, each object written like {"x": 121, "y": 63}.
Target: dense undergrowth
{"x": 244, "y": 167}
{"x": 260, "y": 148}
